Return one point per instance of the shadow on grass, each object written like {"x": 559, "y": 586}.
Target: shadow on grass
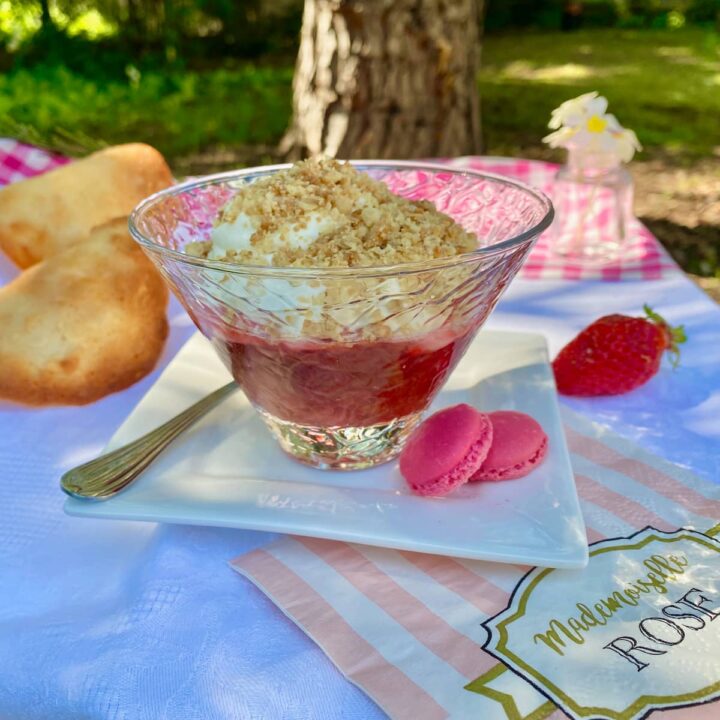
{"x": 696, "y": 249}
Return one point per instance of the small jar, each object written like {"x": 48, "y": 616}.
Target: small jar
{"x": 593, "y": 198}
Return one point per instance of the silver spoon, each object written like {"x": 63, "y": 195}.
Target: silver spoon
{"x": 106, "y": 476}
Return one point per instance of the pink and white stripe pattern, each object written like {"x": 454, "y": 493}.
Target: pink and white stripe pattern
{"x": 405, "y": 627}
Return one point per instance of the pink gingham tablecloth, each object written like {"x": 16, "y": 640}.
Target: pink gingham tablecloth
{"x": 646, "y": 258}
{"x": 19, "y": 161}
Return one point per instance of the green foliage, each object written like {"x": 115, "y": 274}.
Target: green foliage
{"x": 602, "y": 13}
{"x": 525, "y": 76}
{"x": 704, "y": 11}
{"x": 502, "y": 14}
{"x": 149, "y": 31}
{"x": 180, "y": 113}
{"x": 547, "y": 14}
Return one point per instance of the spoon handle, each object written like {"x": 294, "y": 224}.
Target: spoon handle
{"x": 107, "y": 475}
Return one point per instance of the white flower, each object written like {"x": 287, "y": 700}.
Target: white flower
{"x": 583, "y": 124}
{"x": 559, "y": 138}
{"x": 572, "y": 112}
{"x": 627, "y": 144}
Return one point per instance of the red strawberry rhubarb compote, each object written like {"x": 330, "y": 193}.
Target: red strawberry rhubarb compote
{"x": 342, "y": 384}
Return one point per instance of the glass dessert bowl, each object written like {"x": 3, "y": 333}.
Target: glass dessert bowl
{"x": 341, "y": 362}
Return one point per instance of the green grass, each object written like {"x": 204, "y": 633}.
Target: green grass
{"x": 180, "y": 113}
{"x": 663, "y": 84}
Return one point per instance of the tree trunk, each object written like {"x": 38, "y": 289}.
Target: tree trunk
{"x": 46, "y": 21}
{"x": 386, "y": 79}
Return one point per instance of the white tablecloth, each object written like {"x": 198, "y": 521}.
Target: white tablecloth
{"x": 120, "y": 620}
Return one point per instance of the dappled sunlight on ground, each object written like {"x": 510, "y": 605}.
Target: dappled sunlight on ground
{"x": 678, "y": 53}
{"x": 681, "y": 206}
{"x": 686, "y": 56}
{"x": 523, "y": 70}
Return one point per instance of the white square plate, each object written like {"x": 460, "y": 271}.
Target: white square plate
{"x": 227, "y": 470}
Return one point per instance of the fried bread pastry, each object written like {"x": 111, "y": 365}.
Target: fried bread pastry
{"x": 87, "y": 321}
{"x": 42, "y": 215}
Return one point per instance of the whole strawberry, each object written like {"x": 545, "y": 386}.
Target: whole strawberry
{"x": 615, "y": 354}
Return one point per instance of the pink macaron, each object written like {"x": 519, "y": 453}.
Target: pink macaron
{"x": 519, "y": 446}
{"x": 446, "y": 450}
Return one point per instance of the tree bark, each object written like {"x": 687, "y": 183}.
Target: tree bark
{"x": 46, "y": 21}
{"x": 386, "y": 79}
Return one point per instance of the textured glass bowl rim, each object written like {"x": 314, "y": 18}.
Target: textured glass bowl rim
{"x": 289, "y": 272}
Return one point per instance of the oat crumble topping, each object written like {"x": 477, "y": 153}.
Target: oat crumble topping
{"x": 325, "y": 213}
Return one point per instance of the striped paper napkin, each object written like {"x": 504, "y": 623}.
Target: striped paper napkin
{"x": 429, "y": 637}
